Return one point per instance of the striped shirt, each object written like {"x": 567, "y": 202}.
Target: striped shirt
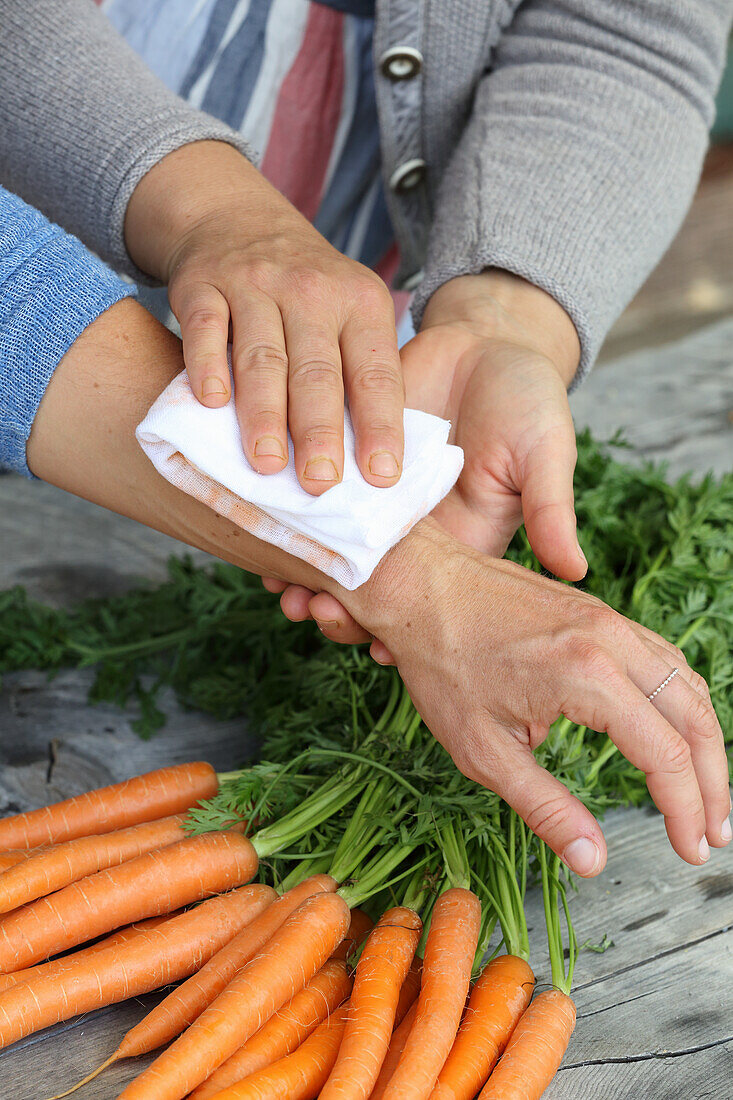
{"x": 296, "y": 78}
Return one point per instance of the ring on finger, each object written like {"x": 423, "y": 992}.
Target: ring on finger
{"x": 665, "y": 682}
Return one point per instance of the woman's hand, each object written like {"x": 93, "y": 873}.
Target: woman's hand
{"x": 306, "y": 323}
{"x": 492, "y": 654}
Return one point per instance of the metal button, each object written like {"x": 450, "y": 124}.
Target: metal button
{"x": 401, "y": 63}
{"x": 411, "y": 282}
{"x": 408, "y": 175}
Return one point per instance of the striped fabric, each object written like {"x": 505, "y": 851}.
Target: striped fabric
{"x": 296, "y": 77}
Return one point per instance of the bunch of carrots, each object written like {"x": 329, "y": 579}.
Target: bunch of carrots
{"x": 296, "y": 994}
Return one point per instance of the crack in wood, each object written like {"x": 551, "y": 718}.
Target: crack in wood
{"x": 53, "y": 751}
{"x": 616, "y": 1004}
{"x": 653, "y": 958}
{"x": 648, "y": 1057}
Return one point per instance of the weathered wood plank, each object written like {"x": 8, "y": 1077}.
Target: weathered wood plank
{"x": 673, "y": 403}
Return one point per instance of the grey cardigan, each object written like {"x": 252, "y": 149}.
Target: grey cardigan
{"x": 558, "y": 139}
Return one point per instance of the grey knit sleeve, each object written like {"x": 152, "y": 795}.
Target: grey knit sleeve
{"x": 582, "y": 152}
{"x": 82, "y": 119}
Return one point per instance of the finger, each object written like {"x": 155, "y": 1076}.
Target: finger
{"x": 373, "y": 381}
{"x": 203, "y": 314}
{"x": 548, "y": 503}
{"x": 315, "y": 400}
{"x": 335, "y": 622}
{"x": 379, "y": 653}
{"x": 693, "y": 716}
{"x": 294, "y": 603}
{"x": 260, "y": 367}
{"x": 273, "y": 585}
{"x": 604, "y": 699}
{"x": 502, "y": 764}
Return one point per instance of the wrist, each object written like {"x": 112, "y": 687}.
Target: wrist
{"x": 405, "y": 584}
{"x": 504, "y": 306}
{"x": 186, "y": 189}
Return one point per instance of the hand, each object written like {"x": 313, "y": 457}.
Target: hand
{"x": 494, "y": 356}
{"x": 553, "y": 650}
{"x": 307, "y": 324}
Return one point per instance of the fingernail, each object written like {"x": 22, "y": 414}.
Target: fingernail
{"x": 321, "y": 469}
{"x": 268, "y": 446}
{"x": 726, "y": 833}
{"x": 580, "y": 551}
{"x": 213, "y": 386}
{"x": 323, "y": 623}
{"x": 383, "y": 464}
{"x": 703, "y": 850}
{"x": 582, "y": 856}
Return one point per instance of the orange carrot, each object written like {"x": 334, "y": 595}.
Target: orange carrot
{"x": 291, "y": 958}
{"x": 410, "y": 990}
{"x": 51, "y": 869}
{"x": 394, "y": 1052}
{"x": 284, "y": 1031}
{"x": 12, "y": 858}
{"x": 156, "y": 958}
{"x": 299, "y": 1076}
{"x": 145, "y": 798}
{"x": 154, "y": 883}
{"x": 381, "y": 971}
{"x": 535, "y": 1050}
{"x": 186, "y": 1003}
{"x": 499, "y": 997}
{"x": 449, "y": 952}
{"x": 360, "y": 927}
{"x": 51, "y": 969}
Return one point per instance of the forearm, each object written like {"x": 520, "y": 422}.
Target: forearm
{"x": 82, "y": 119}
{"x": 83, "y": 440}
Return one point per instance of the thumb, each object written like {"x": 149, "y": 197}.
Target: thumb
{"x": 548, "y": 504}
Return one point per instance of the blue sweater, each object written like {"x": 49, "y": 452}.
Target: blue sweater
{"x": 51, "y": 288}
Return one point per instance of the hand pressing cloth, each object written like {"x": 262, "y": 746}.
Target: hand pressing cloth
{"x": 346, "y": 531}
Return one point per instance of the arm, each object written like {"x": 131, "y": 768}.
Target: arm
{"x": 92, "y": 137}
{"x": 83, "y": 119}
{"x": 582, "y": 153}
{"x": 434, "y": 603}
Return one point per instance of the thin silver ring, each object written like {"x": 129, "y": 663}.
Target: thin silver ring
{"x": 663, "y": 684}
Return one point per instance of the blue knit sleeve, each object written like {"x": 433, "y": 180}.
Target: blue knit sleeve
{"x": 51, "y": 289}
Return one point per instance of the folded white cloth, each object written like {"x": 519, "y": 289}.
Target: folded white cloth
{"x": 344, "y": 532}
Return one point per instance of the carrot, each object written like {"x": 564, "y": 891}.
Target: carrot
{"x": 53, "y": 868}
{"x": 449, "y": 952}
{"x": 284, "y": 1031}
{"x": 299, "y": 1076}
{"x": 154, "y": 883}
{"x": 186, "y": 1003}
{"x": 145, "y": 798}
{"x": 499, "y": 997}
{"x": 360, "y": 927}
{"x": 394, "y": 1052}
{"x": 410, "y": 990}
{"x": 381, "y": 971}
{"x": 50, "y": 969}
{"x": 291, "y": 958}
{"x": 12, "y": 859}
{"x": 149, "y": 961}
{"x": 535, "y": 1050}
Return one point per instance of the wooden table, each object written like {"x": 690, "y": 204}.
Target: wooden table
{"x": 655, "y": 1010}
